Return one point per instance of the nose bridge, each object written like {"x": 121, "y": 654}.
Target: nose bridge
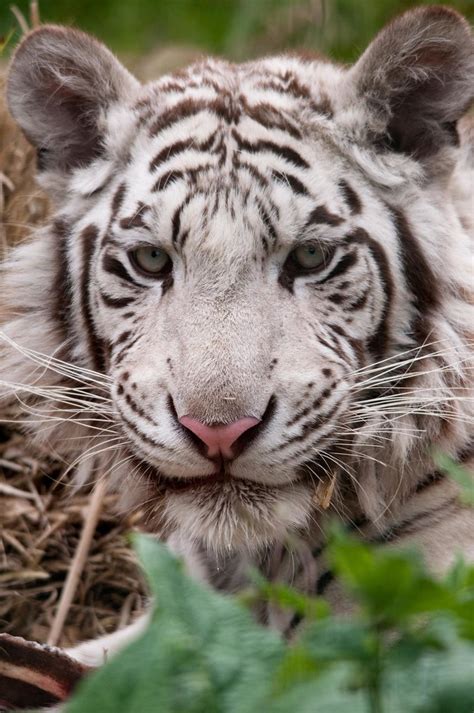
{"x": 221, "y": 358}
{"x": 223, "y": 323}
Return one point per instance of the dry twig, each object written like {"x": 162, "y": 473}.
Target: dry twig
{"x": 77, "y": 565}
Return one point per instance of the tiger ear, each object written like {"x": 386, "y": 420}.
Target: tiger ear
{"x": 60, "y": 84}
{"x": 417, "y": 80}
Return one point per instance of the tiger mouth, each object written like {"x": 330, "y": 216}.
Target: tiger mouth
{"x": 164, "y": 484}
{"x": 221, "y": 477}
{"x": 180, "y": 485}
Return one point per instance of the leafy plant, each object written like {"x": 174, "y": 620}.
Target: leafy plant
{"x": 409, "y": 646}
{"x": 459, "y": 474}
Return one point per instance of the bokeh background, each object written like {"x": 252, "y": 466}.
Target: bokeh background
{"x": 237, "y": 29}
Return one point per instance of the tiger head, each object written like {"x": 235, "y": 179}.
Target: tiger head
{"x": 258, "y": 271}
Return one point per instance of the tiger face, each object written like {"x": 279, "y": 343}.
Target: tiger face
{"x": 240, "y": 250}
{"x": 276, "y": 297}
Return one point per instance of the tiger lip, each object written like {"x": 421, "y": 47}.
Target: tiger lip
{"x": 221, "y": 476}
{"x": 200, "y": 481}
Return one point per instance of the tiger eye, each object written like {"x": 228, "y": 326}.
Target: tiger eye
{"x": 309, "y": 256}
{"x": 151, "y": 260}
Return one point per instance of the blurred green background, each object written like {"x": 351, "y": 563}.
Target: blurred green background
{"x": 235, "y": 28}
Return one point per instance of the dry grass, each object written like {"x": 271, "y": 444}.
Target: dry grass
{"x": 40, "y": 525}
{"x": 22, "y": 203}
{"x": 40, "y": 519}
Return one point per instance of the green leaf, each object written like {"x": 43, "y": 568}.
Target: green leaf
{"x": 202, "y": 652}
{"x": 392, "y": 586}
{"x": 459, "y": 474}
{"x": 332, "y": 692}
{"x": 310, "y": 608}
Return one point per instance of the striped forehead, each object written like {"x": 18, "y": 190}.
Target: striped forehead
{"x": 221, "y": 109}
{"x": 258, "y": 187}
{"x": 226, "y": 150}
{"x": 274, "y": 216}
{"x": 202, "y": 207}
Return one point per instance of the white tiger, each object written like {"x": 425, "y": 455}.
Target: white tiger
{"x": 255, "y": 297}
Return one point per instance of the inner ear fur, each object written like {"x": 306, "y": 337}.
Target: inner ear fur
{"x": 60, "y": 84}
{"x": 417, "y": 79}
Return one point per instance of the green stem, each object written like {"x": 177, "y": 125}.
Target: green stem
{"x": 375, "y": 681}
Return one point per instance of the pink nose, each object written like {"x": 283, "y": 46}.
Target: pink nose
{"x": 220, "y": 438}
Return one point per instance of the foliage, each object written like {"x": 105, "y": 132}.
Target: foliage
{"x": 409, "y": 647}
{"x": 463, "y": 478}
{"x": 236, "y": 28}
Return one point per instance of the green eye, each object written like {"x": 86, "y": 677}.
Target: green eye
{"x": 151, "y": 260}
{"x": 309, "y": 256}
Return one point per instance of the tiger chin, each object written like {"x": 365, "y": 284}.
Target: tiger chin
{"x": 253, "y": 305}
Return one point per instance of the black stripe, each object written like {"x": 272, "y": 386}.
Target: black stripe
{"x": 467, "y": 452}
{"x": 120, "y": 355}
{"x": 333, "y": 347}
{"x": 169, "y": 151}
{"x": 184, "y": 237}
{"x": 315, "y": 404}
{"x": 286, "y": 83}
{"x": 176, "y": 223}
{"x": 290, "y": 85}
{"x": 116, "y": 302}
{"x": 324, "y": 581}
{"x": 138, "y": 409}
{"x": 341, "y": 267}
{"x": 96, "y": 346}
{"x": 431, "y": 479}
{"x": 379, "y": 342}
{"x": 166, "y": 179}
{"x": 294, "y": 183}
{"x": 167, "y": 283}
{"x": 321, "y": 214}
{"x": 179, "y": 111}
{"x": 360, "y": 301}
{"x": 420, "y": 279}
{"x": 253, "y": 170}
{"x": 265, "y": 216}
{"x": 192, "y": 174}
{"x": 222, "y": 107}
{"x": 285, "y": 152}
{"x": 176, "y": 219}
{"x": 337, "y": 298}
{"x": 122, "y": 338}
{"x": 311, "y": 426}
{"x": 141, "y": 436}
{"x": 115, "y": 267}
{"x": 339, "y": 330}
{"x": 416, "y": 522}
{"x": 135, "y": 220}
{"x": 62, "y": 285}
{"x": 353, "y": 200}
{"x": 269, "y": 117}
{"x": 117, "y": 201}
{"x": 180, "y": 147}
